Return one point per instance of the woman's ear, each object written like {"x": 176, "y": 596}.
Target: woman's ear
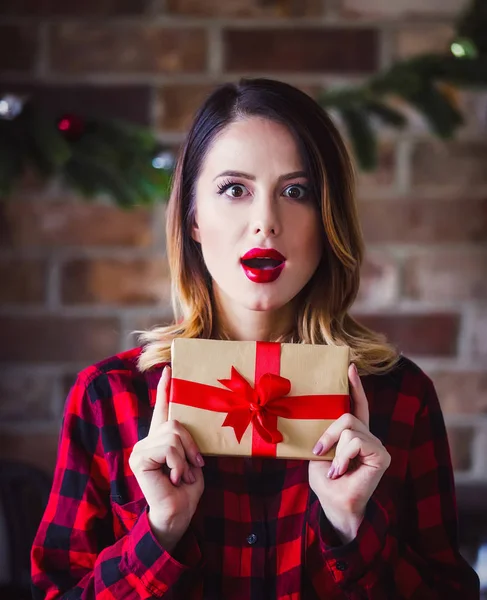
{"x": 195, "y": 233}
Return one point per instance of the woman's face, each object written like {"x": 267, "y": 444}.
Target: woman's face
{"x": 252, "y": 201}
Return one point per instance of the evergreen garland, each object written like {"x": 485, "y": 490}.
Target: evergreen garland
{"x": 423, "y": 82}
{"x": 126, "y": 162}
{"x": 92, "y": 156}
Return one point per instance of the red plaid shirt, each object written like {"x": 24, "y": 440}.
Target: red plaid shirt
{"x": 259, "y": 532}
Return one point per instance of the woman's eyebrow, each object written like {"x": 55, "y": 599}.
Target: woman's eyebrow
{"x": 253, "y": 178}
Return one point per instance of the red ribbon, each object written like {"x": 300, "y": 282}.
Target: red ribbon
{"x": 256, "y": 405}
{"x": 261, "y": 405}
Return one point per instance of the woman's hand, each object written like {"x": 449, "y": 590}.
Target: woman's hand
{"x": 167, "y": 465}
{"x": 345, "y": 486}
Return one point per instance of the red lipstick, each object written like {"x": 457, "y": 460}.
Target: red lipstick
{"x": 263, "y": 265}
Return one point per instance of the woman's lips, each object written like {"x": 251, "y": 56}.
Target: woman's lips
{"x": 270, "y": 253}
{"x": 262, "y": 265}
{"x": 262, "y": 275}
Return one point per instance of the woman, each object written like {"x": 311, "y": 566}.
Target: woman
{"x": 136, "y": 512}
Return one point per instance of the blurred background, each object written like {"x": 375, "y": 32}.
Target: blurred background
{"x": 77, "y": 276}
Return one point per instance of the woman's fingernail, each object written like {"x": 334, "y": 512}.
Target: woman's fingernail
{"x": 191, "y": 476}
{"x": 199, "y": 460}
{"x": 318, "y": 448}
{"x": 331, "y": 471}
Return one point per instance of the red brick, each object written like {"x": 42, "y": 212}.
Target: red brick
{"x": 304, "y": 50}
{"x": 128, "y": 102}
{"x": 112, "y": 281}
{"x": 424, "y": 220}
{"x": 178, "y": 104}
{"x": 476, "y": 337}
{"x": 63, "y": 8}
{"x": 67, "y": 382}
{"x": 400, "y": 9}
{"x": 313, "y": 91}
{"x": 246, "y": 8}
{"x": 459, "y": 164}
{"x": 379, "y": 280}
{"x": 47, "y": 339}
{"x": 29, "y": 182}
{"x": 59, "y": 224}
{"x": 460, "y": 440}
{"x": 384, "y": 174}
{"x": 463, "y": 392}
{"x": 446, "y": 275}
{"x": 149, "y": 321}
{"x": 473, "y": 106}
{"x": 414, "y": 334}
{"x": 425, "y": 39}
{"x": 26, "y": 396}
{"x": 128, "y": 48}
{"x": 38, "y": 449}
{"x": 23, "y": 281}
{"x": 18, "y": 47}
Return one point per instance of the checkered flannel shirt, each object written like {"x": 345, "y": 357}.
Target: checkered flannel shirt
{"x": 259, "y": 532}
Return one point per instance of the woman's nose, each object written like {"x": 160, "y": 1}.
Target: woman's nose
{"x": 266, "y": 219}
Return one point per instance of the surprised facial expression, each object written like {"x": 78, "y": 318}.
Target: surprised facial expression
{"x": 259, "y": 226}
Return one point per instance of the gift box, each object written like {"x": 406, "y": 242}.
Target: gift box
{"x": 258, "y": 398}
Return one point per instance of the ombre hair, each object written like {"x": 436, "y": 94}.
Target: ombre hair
{"x": 323, "y": 304}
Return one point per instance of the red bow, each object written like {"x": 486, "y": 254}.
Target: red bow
{"x": 256, "y": 404}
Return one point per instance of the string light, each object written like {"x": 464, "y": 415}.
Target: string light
{"x": 10, "y": 107}
{"x": 163, "y": 160}
{"x": 464, "y": 48}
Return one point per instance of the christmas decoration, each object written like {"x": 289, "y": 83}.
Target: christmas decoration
{"x": 164, "y": 160}
{"x": 464, "y": 48}
{"x": 428, "y": 83}
{"x": 93, "y": 156}
{"x": 103, "y": 156}
{"x": 71, "y": 126}
{"x": 10, "y": 106}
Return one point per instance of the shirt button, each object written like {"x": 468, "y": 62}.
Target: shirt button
{"x": 251, "y": 539}
{"x": 341, "y": 565}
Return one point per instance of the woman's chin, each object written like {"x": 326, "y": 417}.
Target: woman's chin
{"x": 266, "y": 302}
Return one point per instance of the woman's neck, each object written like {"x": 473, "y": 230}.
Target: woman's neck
{"x": 241, "y": 324}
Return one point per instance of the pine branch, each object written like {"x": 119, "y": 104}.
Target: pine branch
{"x": 91, "y": 177}
{"x": 115, "y": 157}
{"x": 416, "y": 81}
{"x": 361, "y": 135}
{"x": 108, "y": 157}
{"x": 472, "y": 24}
{"x": 11, "y": 166}
{"x": 386, "y": 114}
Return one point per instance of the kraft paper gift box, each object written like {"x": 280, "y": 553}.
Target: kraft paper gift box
{"x": 258, "y": 398}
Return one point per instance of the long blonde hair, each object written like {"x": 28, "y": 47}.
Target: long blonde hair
{"x": 322, "y": 315}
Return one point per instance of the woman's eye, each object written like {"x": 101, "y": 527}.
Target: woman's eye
{"x": 297, "y": 192}
{"x": 234, "y": 190}
{"x": 238, "y": 190}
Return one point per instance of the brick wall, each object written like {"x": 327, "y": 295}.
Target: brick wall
{"x": 77, "y": 278}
